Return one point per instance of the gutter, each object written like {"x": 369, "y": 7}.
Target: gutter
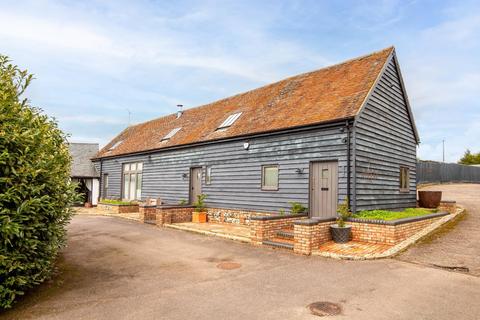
{"x": 321, "y": 125}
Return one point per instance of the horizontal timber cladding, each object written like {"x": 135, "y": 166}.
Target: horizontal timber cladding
{"x": 236, "y": 172}
{"x": 385, "y": 141}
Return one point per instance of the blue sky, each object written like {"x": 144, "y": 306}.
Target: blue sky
{"x": 96, "y": 61}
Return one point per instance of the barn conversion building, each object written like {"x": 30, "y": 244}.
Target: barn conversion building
{"x": 315, "y": 138}
{"x": 83, "y": 171}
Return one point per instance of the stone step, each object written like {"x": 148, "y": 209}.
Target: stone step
{"x": 279, "y": 243}
{"x": 285, "y": 234}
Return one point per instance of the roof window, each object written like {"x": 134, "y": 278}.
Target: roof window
{"x": 230, "y": 120}
{"x": 115, "y": 145}
{"x": 171, "y": 134}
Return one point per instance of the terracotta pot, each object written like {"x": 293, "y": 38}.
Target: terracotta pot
{"x": 199, "y": 217}
{"x": 429, "y": 199}
{"x": 87, "y": 204}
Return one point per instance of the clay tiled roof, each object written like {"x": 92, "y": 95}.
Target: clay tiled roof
{"x": 325, "y": 95}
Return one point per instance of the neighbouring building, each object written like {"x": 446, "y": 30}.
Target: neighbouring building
{"x": 315, "y": 138}
{"x": 83, "y": 170}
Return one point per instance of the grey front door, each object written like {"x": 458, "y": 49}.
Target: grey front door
{"x": 195, "y": 183}
{"x": 323, "y": 189}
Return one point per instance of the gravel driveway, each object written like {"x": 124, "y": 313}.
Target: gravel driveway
{"x": 119, "y": 269}
{"x": 459, "y": 246}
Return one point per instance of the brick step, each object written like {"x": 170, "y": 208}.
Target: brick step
{"x": 279, "y": 243}
{"x": 285, "y": 234}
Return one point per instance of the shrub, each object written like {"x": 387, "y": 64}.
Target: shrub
{"x": 35, "y": 189}
{"x": 343, "y": 213}
{"x": 200, "y": 203}
{"x": 117, "y": 202}
{"x": 297, "y": 208}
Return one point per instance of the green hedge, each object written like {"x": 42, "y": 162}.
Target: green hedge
{"x": 35, "y": 188}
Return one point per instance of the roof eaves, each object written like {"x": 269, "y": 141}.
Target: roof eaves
{"x": 339, "y": 121}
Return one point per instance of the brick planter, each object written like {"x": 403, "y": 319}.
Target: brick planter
{"x": 147, "y": 212}
{"x": 173, "y": 214}
{"x": 310, "y": 233}
{"x": 234, "y": 216}
{"x": 392, "y": 231}
{"x": 118, "y": 208}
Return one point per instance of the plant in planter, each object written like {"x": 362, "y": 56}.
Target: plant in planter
{"x": 200, "y": 215}
{"x": 340, "y": 231}
{"x": 297, "y": 208}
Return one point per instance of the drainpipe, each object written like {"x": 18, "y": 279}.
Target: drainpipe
{"x": 347, "y": 127}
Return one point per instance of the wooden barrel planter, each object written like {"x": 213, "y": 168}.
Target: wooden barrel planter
{"x": 429, "y": 199}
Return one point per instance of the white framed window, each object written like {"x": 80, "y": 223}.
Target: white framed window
{"x": 132, "y": 181}
{"x": 404, "y": 179}
{"x": 105, "y": 185}
{"x": 171, "y": 134}
{"x": 208, "y": 175}
{"x": 270, "y": 177}
{"x": 230, "y": 120}
{"x": 115, "y": 145}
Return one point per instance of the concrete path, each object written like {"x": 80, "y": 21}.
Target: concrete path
{"x": 458, "y": 246}
{"x": 119, "y": 269}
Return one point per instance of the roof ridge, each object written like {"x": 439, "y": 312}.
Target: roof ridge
{"x": 271, "y": 84}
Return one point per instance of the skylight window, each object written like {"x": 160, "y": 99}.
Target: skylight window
{"x": 116, "y": 144}
{"x": 230, "y": 120}
{"x": 171, "y": 134}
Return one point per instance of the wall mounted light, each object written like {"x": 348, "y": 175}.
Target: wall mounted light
{"x": 184, "y": 175}
{"x": 299, "y": 170}
{"x": 246, "y": 145}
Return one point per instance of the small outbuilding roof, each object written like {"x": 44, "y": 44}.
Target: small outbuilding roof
{"x": 329, "y": 94}
{"x": 82, "y": 166}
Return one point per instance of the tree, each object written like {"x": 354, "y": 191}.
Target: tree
{"x": 35, "y": 189}
{"x": 470, "y": 158}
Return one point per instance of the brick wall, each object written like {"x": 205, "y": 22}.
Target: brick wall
{"x": 448, "y": 206}
{"x": 168, "y": 215}
{"x": 309, "y": 234}
{"x": 118, "y": 208}
{"x": 261, "y": 230}
{"x": 234, "y": 216}
{"x": 147, "y": 212}
{"x": 387, "y": 234}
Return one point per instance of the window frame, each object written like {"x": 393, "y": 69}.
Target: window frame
{"x": 407, "y": 175}
{"x": 208, "y": 175}
{"x": 105, "y": 184}
{"x": 136, "y": 172}
{"x": 229, "y": 121}
{"x": 269, "y": 188}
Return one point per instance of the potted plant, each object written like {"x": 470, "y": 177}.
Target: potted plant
{"x": 200, "y": 215}
{"x": 340, "y": 231}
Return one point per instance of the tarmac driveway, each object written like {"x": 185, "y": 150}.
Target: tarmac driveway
{"x": 119, "y": 269}
{"x": 459, "y": 245}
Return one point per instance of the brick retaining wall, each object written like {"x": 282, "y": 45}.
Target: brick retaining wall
{"x": 173, "y": 214}
{"x": 310, "y": 233}
{"x": 118, "y": 208}
{"x": 265, "y": 227}
{"x": 235, "y": 216}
